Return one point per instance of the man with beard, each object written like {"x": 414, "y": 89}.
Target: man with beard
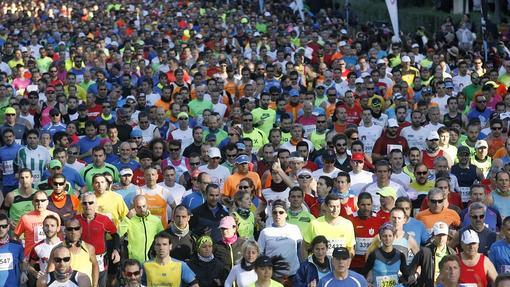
{"x": 376, "y": 104}
{"x": 368, "y": 132}
{"x": 343, "y": 159}
{"x": 40, "y": 254}
{"x": 415, "y": 134}
{"x": 389, "y": 141}
{"x": 432, "y": 151}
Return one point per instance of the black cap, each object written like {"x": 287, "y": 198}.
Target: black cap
{"x": 54, "y": 112}
{"x": 82, "y": 107}
{"x": 463, "y": 150}
{"x": 341, "y": 253}
{"x": 263, "y": 261}
{"x": 329, "y": 155}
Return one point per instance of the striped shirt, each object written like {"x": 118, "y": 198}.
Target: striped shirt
{"x": 34, "y": 159}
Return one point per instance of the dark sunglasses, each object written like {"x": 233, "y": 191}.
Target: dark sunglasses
{"x": 481, "y": 216}
{"x": 129, "y": 274}
{"x": 60, "y": 259}
{"x": 436, "y": 201}
{"x": 59, "y": 183}
{"x": 87, "y": 203}
{"x": 422, "y": 172}
{"x": 278, "y": 212}
{"x": 244, "y": 187}
{"x": 304, "y": 177}
{"x": 70, "y": 228}
{"x": 4, "y": 226}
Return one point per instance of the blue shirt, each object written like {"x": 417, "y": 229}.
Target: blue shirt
{"x": 7, "y": 159}
{"x": 11, "y": 257}
{"x": 132, "y": 164}
{"x": 193, "y": 200}
{"x": 86, "y": 144}
{"x": 72, "y": 176}
{"x": 53, "y": 128}
{"x": 128, "y": 194}
{"x": 353, "y": 280}
{"x": 499, "y": 254}
{"x": 417, "y": 230}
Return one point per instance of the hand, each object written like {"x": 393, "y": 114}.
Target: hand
{"x": 276, "y": 165}
{"x": 131, "y": 213}
{"x": 313, "y": 283}
{"x": 115, "y": 256}
{"x": 40, "y": 274}
{"x": 23, "y": 278}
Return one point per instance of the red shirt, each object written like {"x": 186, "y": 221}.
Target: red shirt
{"x": 353, "y": 114}
{"x": 429, "y": 160}
{"x": 381, "y": 145}
{"x": 93, "y": 232}
{"x": 347, "y": 209}
{"x": 383, "y": 215}
{"x": 313, "y": 205}
{"x": 138, "y": 177}
{"x": 364, "y": 230}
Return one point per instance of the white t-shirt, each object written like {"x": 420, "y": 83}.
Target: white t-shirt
{"x": 43, "y": 251}
{"x": 147, "y": 134}
{"x": 241, "y": 277}
{"x": 152, "y": 99}
{"x": 320, "y": 172}
{"x": 163, "y": 193}
{"x": 460, "y": 82}
{"x": 292, "y": 148}
{"x": 282, "y": 241}
{"x": 220, "y": 109}
{"x": 442, "y": 103}
{"x": 373, "y": 189}
{"x": 177, "y": 192}
{"x": 218, "y": 175}
{"x": 185, "y": 136}
{"x": 360, "y": 180}
{"x": 270, "y": 196}
{"x": 402, "y": 177}
{"x": 415, "y": 138}
{"x": 369, "y": 135}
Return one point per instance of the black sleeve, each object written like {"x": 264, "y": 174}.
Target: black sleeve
{"x": 370, "y": 261}
{"x": 404, "y": 269}
{"x": 116, "y": 242}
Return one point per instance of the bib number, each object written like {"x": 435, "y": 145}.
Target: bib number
{"x": 387, "y": 281}
{"x": 362, "y": 244}
{"x": 36, "y": 175}
{"x": 39, "y": 233}
{"x": 6, "y": 261}
{"x": 505, "y": 268}
{"x": 333, "y": 243}
{"x": 8, "y": 167}
{"x": 464, "y": 193}
{"x": 100, "y": 262}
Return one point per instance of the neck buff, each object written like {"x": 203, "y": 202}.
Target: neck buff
{"x": 63, "y": 275}
{"x": 243, "y": 212}
{"x": 206, "y": 259}
{"x": 278, "y": 187}
{"x": 231, "y": 240}
{"x": 179, "y": 232}
{"x": 246, "y": 265}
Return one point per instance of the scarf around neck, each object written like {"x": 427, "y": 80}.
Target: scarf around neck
{"x": 231, "y": 240}
{"x": 179, "y": 232}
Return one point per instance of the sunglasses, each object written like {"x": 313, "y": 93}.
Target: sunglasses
{"x": 87, "y": 203}
{"x": 182, "y": 119}
{"x": 174, "y": 149}
{"x": 321, "y": 122}
{"x": 39, "y": 200}
{"x": 422, "y": 172}
{"x": 278, "y": 212}
{"x": 59, "y": 183}
{"x": 70, "y": 228}
{"x": 194, "y": 163}
{"x": 244, "y": 187}
{"x": 436, "y": 201}
{"x": 481, "y": 216}
{"x": 304, "y": 177}
{"x": 60, "y": 259}
{"x": 496, "y": 128}
{"x": 4, "y": 226}
{"x": 129, "y": 274}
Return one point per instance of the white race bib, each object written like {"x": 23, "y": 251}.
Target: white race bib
{"x": 362, "y": 244}
{"x": 333, "y": 243}
{"x": 37, "y": 176}
{"x": 6, "y": 261}
{"x": 386, "y": 281}
{"x": 8, "y": 167}
{"x": 39, "y": 233}
{"x": 505, "y": 268}
{"x": 464, "y": 193}
{"x": 100, "y": 262}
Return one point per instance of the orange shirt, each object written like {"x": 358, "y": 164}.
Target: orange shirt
{"x": 501, "y": 152}
{"x": 31, "y": 225}
{"x": 448, "y": 216}
{"x": 293, "y": 109}
{"x": 495, "y": 144}
{"x": 231, "y": 183}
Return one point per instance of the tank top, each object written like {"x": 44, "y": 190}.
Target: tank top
{"x": 20, "y": 205}
{"x": 402, "y": 245}
{"x": 473, "y": 274}
{"x": 66, "y": 212}
{"x": 447, "y": 119}
{"x": 429, "y": 160}
{"x": 501, "y": 203}
{"x": 466, "y": 178}
{"x": 385, "y": 271}
{"x": 81, "y": 261}
{"x": 71, "y": 282}
{"x": 157, "y": 205}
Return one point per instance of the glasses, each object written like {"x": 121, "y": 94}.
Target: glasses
{"x": 341, "y": 144}
{"x": 72, "y": 153}
{"x": 247, "y": 120}
{"x": 482, "y": 101}
{"x": 304, "y": 177}
{"x": 106, "y": 107}
{"x": 244, "y": 187}
{"x": 422, "y": 172}
{"x": 294, "y": 79}
{"x": 281, "y": 212}
{"x": 354, "y": 139}
{"x": 73, "y": 228}
{"x": 60, "y": 259}
{"x": 4, "y": 226}
{"x": 321, "y": 122}
{"x": 129, "y": 274}
{"x": 496, "y": 128}
{"x": 174, "y": 149}
{"x": 88, "y": 203}
{"x": 232, "y": 134}
{"x": 194, "y": 163}
{"x": 331, "y": 95}
{"x": 10, "y": 115}
{"x": 135, "y": 148}
{"x": 182, "y": 119}
{"x": 436, "y": 201}
{"x": 59, "y": 183}
{"x": 481, "y": 216}
{"x": 39, "y": 200}
{"x": 137, "y": 138}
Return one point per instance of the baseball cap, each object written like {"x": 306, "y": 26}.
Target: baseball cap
{"x": 341, "y": 253}
{"x": 126, "y": 171}
{"x": 130, "y": 97}
{"x": 214, "y": 152}
{"x": 448, "y": 85}
{"x": 329, "y": 155}
{"x": 210, "y": 137}
{"x": 263, "y": 261}
{"x": 182, "y": 115}
{"x": 10, "y": 110}
{"x": 398, "y": 96}
{"x": 293, "y": 93}
{"x": 240, "y": 146}
{"x": 55, "y": 163}
{"x": 304, "y": 172}
{"x": 433, "y": 135}
{"x": 388, "y": 191}
{"x": 364, "y": 75}
{"x": 392, "y": 123}
{"x": 406, "y": 59}
{"x": 227, "y": 222}
{"x": 359, "y": 81}
{"x": 415, "y": 45}
{"x": 242, "y": 159}
{"x": 470, "y": 236}
{"x": 82, "y": 107}
{"x": 381, "y": 62}
{"x": 358, "y": 156}
{"x": 463, "y": 150}
{"x": 481, "y": 143}
{"x": 136, "y": 133}
{"x": 492, "y": 84}
{"x": 440, "y": 228}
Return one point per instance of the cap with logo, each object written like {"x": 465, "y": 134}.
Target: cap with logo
{"x": 242, "y": 159}
{"x": 440, "y": 228}
{"x": 341, "y": 253}
{"x": 481, "y": 143}
{"x": 55, "y": 163}
{"x": 470, "y": 236}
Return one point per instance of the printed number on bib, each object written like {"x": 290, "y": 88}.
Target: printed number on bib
{"x": 387, "y": 281}
{"x": 6, "y": 261}
{"x": 362, "y": 244}
{"x": 100, "y": 262}
{"x": 8, "y": 167}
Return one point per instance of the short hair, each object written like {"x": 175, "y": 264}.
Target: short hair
{"x": 211, "y": 186}
{"x": 98, "y": 148}
{"x": 331, "y": 197}
{"x": 25, "y": 170}
{"x": 344, "y": 174}
{"x": 33, "y": 132}
{"x": 296, "y": 188}
{"x": 181, "y": 206}
{"x": 319, "y": 239}
{"x": 4, "y": 216}
{"x": 448, "y": 258}
{"x": 250, "y": 243}
{"x": 163, "y": 234}
{"x": 364, "y": 195}
{"x": 51, "y": 216}
{"x": 329, "y": 181}
{"x": 403, "y": 199}
{"x": 476, "y": 206}
{"x": 435, "y": 191}
{"x": 131, "y": 262}
{"x": 476, "y": 185}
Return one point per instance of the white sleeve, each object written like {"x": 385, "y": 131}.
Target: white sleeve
{"x": 231, "y": 278}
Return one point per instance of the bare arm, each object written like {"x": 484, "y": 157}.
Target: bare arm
{"x": 95, "y": 266}
{"x": 84, "y": 280}
{"x": 491, "y": 270}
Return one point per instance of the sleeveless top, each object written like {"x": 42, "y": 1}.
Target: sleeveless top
{"x": 385, "y": 271}
{"x": 501, "y": 203}
{"x": 466, "y": 178}
{"x": 71, "y": 282}
{"x": 474, "y": 274}
{"x": 66, "y": 212}
{"x": 20, "y": 206}
{"x": 81, "y": 261}
{"x": 402, "y": 245}
{"x": 429, "y": 160}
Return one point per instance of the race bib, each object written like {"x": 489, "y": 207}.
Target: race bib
{"x": 505, "y": 268}
{"x": 6, "y": 261}
{"x": 8, "y": 167}
{"x": 333, "y": 243}
{"x": 309, "y": 129}
{"x": 464, "y": 193}
{"x": 18, "y": 141}
{"x": 39, "y": 233}
{"x": 100, "y": 262}
{"x": 37, "y": 176}
{"x": 468, "y": 285}
{"x": 386, "y": 281}
{"x": 362, "y": 244}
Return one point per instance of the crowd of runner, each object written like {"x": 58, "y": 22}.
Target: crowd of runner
{"x": 248, "y": 143}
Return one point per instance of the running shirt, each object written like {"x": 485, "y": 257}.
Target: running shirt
{"x": 499, "y": 254}
{"x": 31, "y": 225}
{"x": 71, "y": 282}
{"x": 90, "y": 170}
{"x": 369, "y": 135}
{"x": 172, "y": 273}
{"x": 41, "y": 253}
{"x": 365, "y": 231}
{"x": 218, "y": 175}
{"x": 385, "y": 266}
{"x": 81, "y": 261}
{"x": 158, "y": 202}
{"x": 11, "y": 257}
{"x": 141, "y": 232}
{"x": 258, "y": 137}
{"x": 283, "y": 241}
{"x": 93, "y": 232}
{"x": 36, "y": 160}
{"x": 475, "y": 275}
{"x": 267, "y": 116}
{"x": 353, "y": 280}
{"x": 20, "y": 205}
{"x": 339, "y": 235}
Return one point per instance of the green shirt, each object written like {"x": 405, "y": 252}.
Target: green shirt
{"x": 302, "y": 219}
{"x": 258, "y": 137}
{"x": 90, "y": 170}
{"x": 20, "y": 206}
{"x": 220, "y": 135}
{"x": 197, "y": 107}
{"x": 470, "y": 92}
{"x": 43, "y": 64}
{"x": 267, "y": 116}
{"x": 141, "y": 232}
{"x": 245, "y": 226}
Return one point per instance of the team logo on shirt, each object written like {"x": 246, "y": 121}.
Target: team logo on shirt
{"x": 371, "y": 231}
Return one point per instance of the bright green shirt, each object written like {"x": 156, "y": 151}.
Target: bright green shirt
{"x": 470, "y": 92}
{"x": 302, "y": 219}
{"x": 43, "y": 64}
{"x": 220, "y": 135}
{"x": 197, "y": 107}
{"x": 268, "y": 118}
{"x": 245, "y": 226}
{"x": 90, "y": 170}
{"x": 141, "y": 232}
{"x": 258, "y": 137}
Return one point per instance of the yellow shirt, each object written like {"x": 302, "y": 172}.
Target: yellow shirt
{"x": 169, "y": 274}
{"x": 339, "y": 235}
{"x": 422, "y": 189}
{"x": 112, "y": 205}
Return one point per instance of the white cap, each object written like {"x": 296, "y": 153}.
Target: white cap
{"x": 179, "y": 14}
{"x": 343, "y": 31}
{"x": 365, "y": 74}
{"x": 296, "y": 158}
{"x": 433, "y": 135}
{"x": 199, "y": 36}
{"x": 214, "y": 152}
{"x": 256, "y": 34}
{"x": 267, "y": 14}
{"x": 359, "y": 81}
{"x": 392, "y": 123}
{"x": 126, "y": 171}
{"x": 304, "y": 172}
{"x": 131, "y": 97}
{"x": 470, "y": 236}
{"x": 415, "y": 45}
{"x": 24, "y": 49}
{"x": 481, "y": 143}
{"x": 406, "y": 59}
{"x": 381, "y": 61}
{"x": 342, "y": 43}
{"x": 440, "y": 228}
